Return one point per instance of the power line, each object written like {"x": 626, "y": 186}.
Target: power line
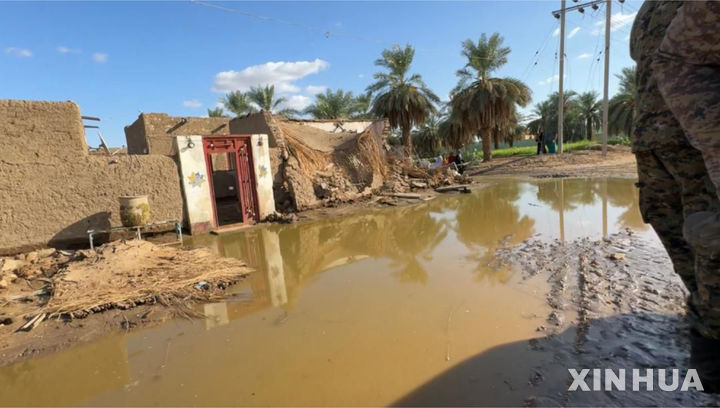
{"x": 536, "y": 57}
{"x": 324, "y": 32}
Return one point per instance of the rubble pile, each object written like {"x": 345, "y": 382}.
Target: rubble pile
{"x": 404, "y": 177}
{"x": 43, "y": 263}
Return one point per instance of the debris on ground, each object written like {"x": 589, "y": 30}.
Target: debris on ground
{"x": 121, "y": 274}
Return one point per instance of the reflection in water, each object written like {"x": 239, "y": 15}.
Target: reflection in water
{"x": 356, "y": 310}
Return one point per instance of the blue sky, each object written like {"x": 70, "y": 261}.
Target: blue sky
{"x": 117, "y": 59}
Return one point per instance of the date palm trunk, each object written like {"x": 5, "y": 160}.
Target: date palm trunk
{"x": 487, "y": 148}
{"x": 588, "y": 129}
{"x": 407, "y": 140}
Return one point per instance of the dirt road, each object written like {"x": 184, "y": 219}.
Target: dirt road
{"x": 619, "y": 162}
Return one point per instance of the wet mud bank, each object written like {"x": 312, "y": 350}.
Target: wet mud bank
{"x": 51, "y": 300}
{"x": 615, "y": 303}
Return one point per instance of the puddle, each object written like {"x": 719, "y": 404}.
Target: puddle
{"x": 357, "y": 310}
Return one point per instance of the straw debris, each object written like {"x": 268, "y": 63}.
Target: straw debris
{"x": 123, "y": 274}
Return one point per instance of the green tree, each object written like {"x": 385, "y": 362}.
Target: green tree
{"x": 362, "y": 109}
{"x": 481, "y": 102}
{"x": 238, "y": 103}
{"x": 546, "y": 116}
{"x": 402, "y": 98}
{"x": 216, "y": 112}
{"x": 589, "y": 108}
{"x": 428, "y": 139}
{"x": 622, "y": 105}
{"x": 333, "y": 105}
{"x": 264, "y": 98}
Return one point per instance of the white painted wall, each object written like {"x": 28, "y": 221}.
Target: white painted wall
{"x": 263, "y": 175}
{"x": 196, "y": 187}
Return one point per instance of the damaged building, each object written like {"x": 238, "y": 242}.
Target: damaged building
{"x": 312, "y": 162}
{"x": 316, "y": 162}
{"x": 208, "y": 173}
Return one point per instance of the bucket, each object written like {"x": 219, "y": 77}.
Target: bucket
{"x": 134, "y": 210}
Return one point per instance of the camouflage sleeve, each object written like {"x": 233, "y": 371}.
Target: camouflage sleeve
{"x": 639, "y": 28}
{"x": 694, "y": 34}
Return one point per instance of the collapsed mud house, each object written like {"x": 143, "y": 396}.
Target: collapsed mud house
{"x": 314, "y": 162}
{"x": 208, "y": 173}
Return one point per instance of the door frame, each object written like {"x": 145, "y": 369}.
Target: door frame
{"x": 233, "y": 147}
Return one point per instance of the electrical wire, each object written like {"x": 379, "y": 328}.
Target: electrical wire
{"x": 325, "y": 32}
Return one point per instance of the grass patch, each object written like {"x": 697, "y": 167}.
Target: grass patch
{"x": 531, "y": 150}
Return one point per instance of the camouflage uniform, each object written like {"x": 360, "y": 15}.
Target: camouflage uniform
{"x": 687, "y": 67}
{"x": 672, "y": 177}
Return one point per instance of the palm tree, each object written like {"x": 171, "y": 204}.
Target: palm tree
{"x": 216, "y": 112}
{"x": 543, "y": 113}
{"x": 362, "y": 109}
{"x": 333, "y": 105}
{"x": 546, "y": 114}
{"x": 429, "y": 139}
{"x": 484, "y": 103}
{"x": 589, "y": 107}
{"x": 264, "y": 98}
{"x": 237, "y": 103}
{"x": 514, "y": 128}
{"x": 622, "y": 104}
{"x": 403, "y": 99}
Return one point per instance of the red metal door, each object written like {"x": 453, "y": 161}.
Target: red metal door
{"x": 246, "y": 181}
{"x": 240, "y": 147}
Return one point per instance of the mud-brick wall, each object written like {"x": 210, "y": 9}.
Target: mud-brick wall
{"x": 51, "y": 195}
{"x": 31, "y": 130}
{"x": 154, "y": 133}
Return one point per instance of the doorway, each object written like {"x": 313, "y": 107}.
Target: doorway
{"x": 232, "y": 180}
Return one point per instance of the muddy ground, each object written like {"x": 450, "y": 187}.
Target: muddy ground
{"x": 619, "y": 162}
{"x": 615, "y": 303}
{"x": 54, "y": 299}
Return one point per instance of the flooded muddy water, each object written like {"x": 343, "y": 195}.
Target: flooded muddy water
{"x": 357, "y": 310}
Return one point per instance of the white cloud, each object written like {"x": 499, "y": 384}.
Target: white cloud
{"x": 617, "y": 21}
{"x": 584, "y": 55}
{"x": 18, "y": 52}
{"x": 361, "y": 75}
{"x": 281, "y": 74}
{"x": 549, "y": 80}
{"x": 315, "y": 89}
{"x": 572, "y": 33}
{"x": 100, "y": 57}
{"x": 67, "y": 50}
{"x": 192, "y": 103}
{"x": 298, "y": 102}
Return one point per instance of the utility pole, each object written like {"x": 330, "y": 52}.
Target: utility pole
{"x": 560, "y": 14}
{"x": 606, "y": 103}
{"x": 561, "y": 98}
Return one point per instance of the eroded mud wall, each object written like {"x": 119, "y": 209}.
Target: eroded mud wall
{"x": 154, "y": 133}
{"x": 52, "y": 191}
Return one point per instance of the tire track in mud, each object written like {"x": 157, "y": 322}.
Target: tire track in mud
{"x": 614, "y": 303}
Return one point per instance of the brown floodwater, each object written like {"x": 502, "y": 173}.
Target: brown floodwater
{"x": 356, "y": 310}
